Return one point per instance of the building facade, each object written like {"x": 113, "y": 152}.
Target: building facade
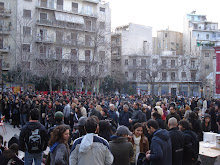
{"x": 168, "y": 40}
{"x": 70, "y": 38}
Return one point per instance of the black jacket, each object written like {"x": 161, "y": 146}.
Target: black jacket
{"x": 95, "y": 112}
{"x": 121, "y": 149}
{"x": 177, "y": 139}
{"x": 26, "y": 133}
{"x": 137, "y": 116}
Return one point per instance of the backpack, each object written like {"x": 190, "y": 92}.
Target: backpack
{"x": 195, "y": 144}
{"x": 34, "y": 144}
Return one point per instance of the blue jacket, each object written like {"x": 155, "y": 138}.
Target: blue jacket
{"x": 113, "y": 116}
{"x": 124, "y": 118}
{"x": 161, "y": 148}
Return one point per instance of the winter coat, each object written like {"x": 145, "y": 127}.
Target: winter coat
{"x": 24, "y": 108}
{"x": 177, "y": 139}
{"x": 124, "y": 118}
{"x": 208, "y": 127}
{"x": 26, "y": 133}
{"x": 95, "y": 112}
{"x": 161, "y": 123}
{"x": 59, "y": 154}
{"x": 144, "y": 145}
{"x": 161, "y": 148}
{"x": 122, "y": 150}
{"x": 66, "y": 111}
{"x": 136, "y": 116}
{"x": 90, "y": 150}
{"x": 177, "y": 116}
{"x": 113, "y": 116}
{"x": 196, "y": 127}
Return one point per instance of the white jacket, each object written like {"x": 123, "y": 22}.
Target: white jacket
{"x": 91, "y": 150}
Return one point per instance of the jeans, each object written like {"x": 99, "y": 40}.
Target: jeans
{"x": 28, "y": 159}
{"x": 23, "y": 119}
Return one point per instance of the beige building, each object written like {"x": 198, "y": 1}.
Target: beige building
{"x": 168, "y": 40}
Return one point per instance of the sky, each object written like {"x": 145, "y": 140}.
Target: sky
{"x": 161, "y": 14}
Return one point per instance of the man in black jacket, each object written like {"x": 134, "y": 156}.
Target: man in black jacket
{"x": 177, "y": 140}
{"x": 94, "y": 111}
{"x": 33, "y": 139}
{"x": 137, "y": 114}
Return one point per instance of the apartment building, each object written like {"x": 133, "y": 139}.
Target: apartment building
{"x": 71, "y": 36}
{"x": 7, "y": 24}
{"x": 168, "y": 40}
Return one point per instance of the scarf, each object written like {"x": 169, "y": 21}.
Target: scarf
{"x": 137, "y": 140}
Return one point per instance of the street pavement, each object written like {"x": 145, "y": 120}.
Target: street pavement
{"x": 12, "y": 131}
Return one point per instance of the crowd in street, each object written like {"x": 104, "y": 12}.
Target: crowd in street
{"x": 106, "y": 130}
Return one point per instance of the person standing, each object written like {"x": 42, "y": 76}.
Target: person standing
{"x": 161, "y": 146}
{"x": 91, "y": 148}
{"x": 33, "y": 139}
{"x": 59, "y": 148}
{"x": 93, "y": 111}
{"x": 124, "y": 116}
{"x": 172, "y": 114}
{"x": 66, "y": 112}
{"x": 177, "y": 139}
{"x": 122, "y": 150}
{"x": 15, "y": 113}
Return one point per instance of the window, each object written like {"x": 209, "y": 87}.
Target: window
{"x": 134, "y": 62}
{"x": 154, "y": 74}
{"x": 183, "y": 75}
{"x": 73, "y": 37}
{"x": 43, "y": 3}
{"x": 59, "y": 53}
{"x": 165, "y": 34}
{"x": 60, "y": 4}
{"x": 193, "y": 64}
{"x": 172, "y": 43}
{"x": 126, "y": 74}
{"x": 193, "y": 76}
{"x": 206, "y": 54}
{"x": 59, "y": 36}
{"x": 87, "y": 55}
{"x": 27, "y": 13}
{"x": 88, "y": 25}
{"x": 102, "y": 9}
{"x": 43, "y": 51}
{"x": 172, "y": 76}
{"x": 87, "y": 40}
{"x": 172, "y": 63}
{"x": 164, "y": 76}
{"x": 164, "y": 63}
{"x": 102, "y": 56}
{"x": 102, "y": 25}
{"x": 154, "y": 61}
{"x": 26, "y": 48}
{"x": 43, "y": 16}
{"x": 1, "y": 43}
{"x": 74, "y": 69}
{"x": 101, "y": 68}
{"x": 207, "y": 36}
{"x": 206, "y": 66}
{"x": 183, "y": 62}
{"x": 134, "y": 75}
{"x": 2, "y": 6}
{"x": 26, "y": 30}
{"x": 126, "y": 62}
{"x": 74, "y": 7}
{"x": 87, "y": 70}
{"x": 143, "y": 62}
{"x": 73, "y": 54}
{"x": 198, "y": 35}
{"x": 143, "y": 75}
{"x": 177, "y": 46}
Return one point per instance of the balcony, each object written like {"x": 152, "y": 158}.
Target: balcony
{"x": 51, "y": 6}
{"x": 92, "y": 1}
{"x": 4, "y": 49}
{"x": 44, "y": 39}
{"x": 116, "y": 57}
{"x": 5, "y": 12}
{"x": 63, "y": 25}
{"x": 5, "y": 30}
{"x": 207, "y": 48}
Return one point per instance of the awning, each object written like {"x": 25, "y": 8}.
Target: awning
{"x": 66, "y": 17}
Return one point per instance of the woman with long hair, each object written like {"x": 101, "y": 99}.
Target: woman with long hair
{"x": 105, "y": 130}
{"x": 139, "y": 141}
{"x": 50, "y": 111}
{"x": 59, "y": 148}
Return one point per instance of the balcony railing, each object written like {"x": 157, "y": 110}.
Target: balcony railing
{"x": 45, "y": 39}
{"x": 4, "y": 29}
{"x": 92, "y": 1}
{"x": 5, "y": 12}
{"x": 4, "y": 49}
{"x": 65, "y": 25}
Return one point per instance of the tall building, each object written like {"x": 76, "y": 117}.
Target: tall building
{"x": 199, "y": 38}
{"x": 168, "y": 40}
{"x": 70, "y": 38}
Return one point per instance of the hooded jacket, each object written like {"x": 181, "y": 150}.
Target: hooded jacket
{"x": 59, "y": 154}
{"x": 121, "y": 149}
{"x": 26, "y": 133}
{"x": 161, "y": 148}
{"x": 90, "y": 149}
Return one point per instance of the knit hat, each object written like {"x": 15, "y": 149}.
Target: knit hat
{"x": 58, "y": 115}
{"x": 123, "y": 130}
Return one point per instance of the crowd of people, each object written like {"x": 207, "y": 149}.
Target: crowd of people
{"x": 105, "y": 130}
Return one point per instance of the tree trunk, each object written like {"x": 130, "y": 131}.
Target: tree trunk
{"x": 50, "y": 84}
{"x": 152, "y": 89}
